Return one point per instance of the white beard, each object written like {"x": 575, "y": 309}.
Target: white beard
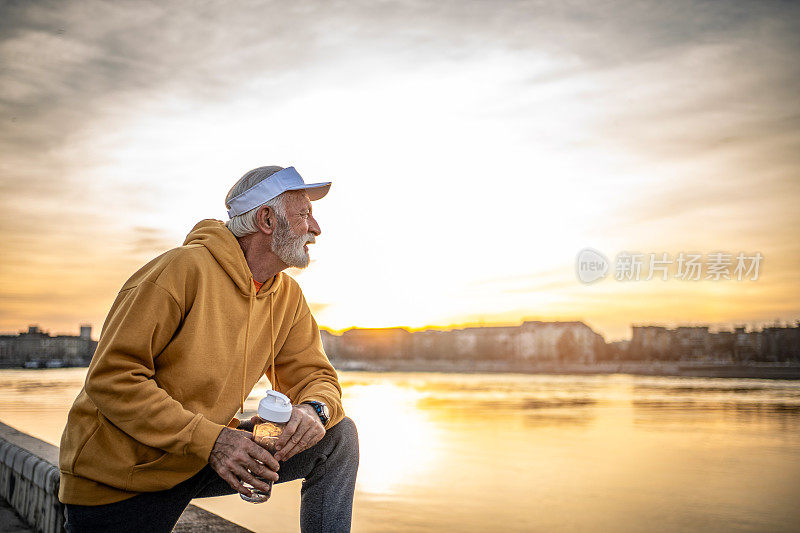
{"x": 290, "y": 248}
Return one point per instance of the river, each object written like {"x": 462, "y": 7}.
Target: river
{"x": 515, "y": 452}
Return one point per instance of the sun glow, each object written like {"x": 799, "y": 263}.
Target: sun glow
{"x": 397, "y": 440}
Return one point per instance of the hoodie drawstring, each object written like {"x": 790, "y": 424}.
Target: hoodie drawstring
{"x": 247, "y": 339}
{"x": 271, "y": 342}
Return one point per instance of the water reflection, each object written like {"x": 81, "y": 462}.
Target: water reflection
{"x": 511, "y": 452}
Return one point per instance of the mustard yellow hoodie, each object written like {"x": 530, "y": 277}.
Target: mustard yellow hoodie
{"x": 184, "y": 343}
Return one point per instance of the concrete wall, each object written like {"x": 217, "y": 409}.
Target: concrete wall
{"x": 29, "y": 479}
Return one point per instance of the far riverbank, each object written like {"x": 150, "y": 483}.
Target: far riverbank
{"x": 639, "y": 368}
{"x": 649, "y": 368}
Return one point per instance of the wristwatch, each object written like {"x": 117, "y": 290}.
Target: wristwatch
{"x": 322, "y": 411}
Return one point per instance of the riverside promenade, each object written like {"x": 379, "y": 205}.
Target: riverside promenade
{"x": 29, "y": 481}
{"x": 10, "y": 521}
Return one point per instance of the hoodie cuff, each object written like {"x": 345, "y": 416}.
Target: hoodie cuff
{"x": 204, "y": 437}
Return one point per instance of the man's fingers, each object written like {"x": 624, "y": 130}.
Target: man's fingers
{"x": 246, "y": 476}
{"x": 317, "y": 437}
{"x": 260, "y": 454}
{"x": 263, "y": 472}
{"x": 247, "y": 425}
{"x": 253, "y": 457}
{"x": 311, "y": 437}
{"x": 296, "y": 442}
{"x": 289, "y": 430}
{"x": 236, "y": 457}
{"x": 291, "y": 446}
{"x": 235, "y": 484}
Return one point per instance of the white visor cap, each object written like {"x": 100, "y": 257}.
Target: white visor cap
{"x": 284, "y": 180}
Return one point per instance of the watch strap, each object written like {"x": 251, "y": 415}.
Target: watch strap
{"x": 319, "y": 409}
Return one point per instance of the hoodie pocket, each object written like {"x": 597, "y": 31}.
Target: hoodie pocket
{"x": 89, "y": 431}
{"x": 112, "y": 457}
{"x": 163, "y": 473}
{"x": 144, "y": 467}
{"x": 147, "y": 455}
{"x": 110, "y": 454}
{"x": 150, "y": 464}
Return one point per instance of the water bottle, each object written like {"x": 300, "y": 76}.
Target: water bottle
{"x": 274, "y": 411}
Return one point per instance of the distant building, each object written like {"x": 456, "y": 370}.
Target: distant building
{"x": 777, "y": 343}
{"x": 650, "y": 342}
{"x": 484, "y": 343}
{"x": 691, "y": 342}
{"x": 745, "y": 345}
{"x": 697, "y": 343}
{"x": 616, "y": 351}
{"x": 374, "y": 343}
{"x": 428, "y": 342}
{"x": 330, "y": 343}
{"x": 531, "y": 341}
{"x": 559, "y": 342}
{"x": 37, "y": 348}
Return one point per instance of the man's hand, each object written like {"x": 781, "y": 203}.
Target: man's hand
{"x": 303, "y": 430}
{"x": 237, "y": 458}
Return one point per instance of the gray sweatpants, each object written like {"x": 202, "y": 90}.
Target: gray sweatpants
{"x": 328, "y": 469}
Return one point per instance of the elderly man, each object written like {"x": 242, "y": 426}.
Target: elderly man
{"x": 186, "y": 340}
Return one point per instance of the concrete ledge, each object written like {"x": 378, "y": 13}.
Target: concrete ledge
{"x": 29, "y": 480}
{"x": 195, "y": 519}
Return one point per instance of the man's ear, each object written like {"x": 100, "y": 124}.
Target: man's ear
{"x": 264, "y": 219}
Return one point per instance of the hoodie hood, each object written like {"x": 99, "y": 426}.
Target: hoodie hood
{"x": 224, "y": 247}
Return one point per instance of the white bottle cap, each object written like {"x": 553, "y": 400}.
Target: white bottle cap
{"x": 275, "y": 407}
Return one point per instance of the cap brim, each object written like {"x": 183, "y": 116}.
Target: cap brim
{"x": 315, "y": 191}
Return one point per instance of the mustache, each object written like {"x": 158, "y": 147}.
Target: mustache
{"x": 309, "y": 239}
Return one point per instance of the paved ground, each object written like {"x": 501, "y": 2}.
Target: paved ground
{"x": 10, "y": 522}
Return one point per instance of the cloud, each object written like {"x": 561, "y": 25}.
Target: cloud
{"x": 317, "y": 308}
{"x": 640, "y": 113}
{"x": 151, "y": 241}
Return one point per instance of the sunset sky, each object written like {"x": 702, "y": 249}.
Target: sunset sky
{"x": 474, "y": 147}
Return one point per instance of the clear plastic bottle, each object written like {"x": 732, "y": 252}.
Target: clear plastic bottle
{"x": 274, "y": 411}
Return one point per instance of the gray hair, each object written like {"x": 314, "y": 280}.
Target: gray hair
{"x": 245, "y": 224}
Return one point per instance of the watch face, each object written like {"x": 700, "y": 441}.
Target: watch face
{"x": 322, "y": 410}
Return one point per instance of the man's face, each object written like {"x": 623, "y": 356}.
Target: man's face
{"x": 292, "y": 234}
